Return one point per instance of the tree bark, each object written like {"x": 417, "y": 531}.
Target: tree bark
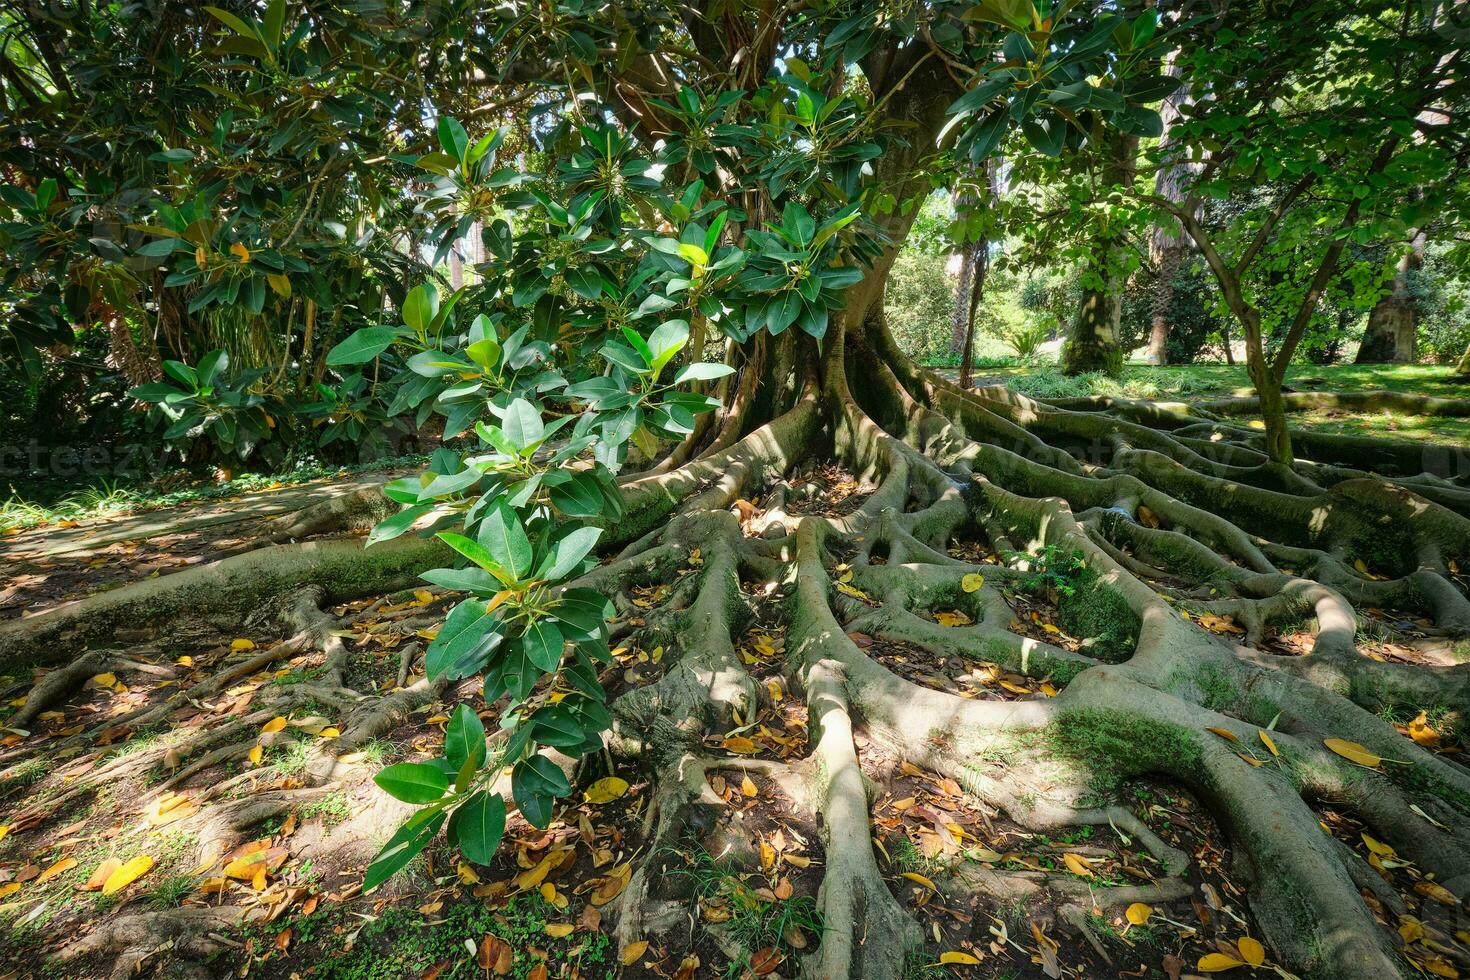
{"x": 1092, "y": 341}
{"x": 1166, "y": 243}
{"x": 1392, "y": 333}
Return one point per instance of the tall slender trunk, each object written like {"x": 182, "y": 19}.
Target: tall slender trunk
{"x": 974, "y": 265}
{"x": 972, "y": 303}
{"x": 1166, "y": 241}
{"x": 959, "y": 327}
{"x": 1268, "y": 390}
{"x": 1393, "y": 323}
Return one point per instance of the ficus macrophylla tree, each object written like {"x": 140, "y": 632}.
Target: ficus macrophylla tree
{"x": 679, "y": 312}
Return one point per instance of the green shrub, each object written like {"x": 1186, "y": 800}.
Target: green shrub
{"x": 920, "y": 304}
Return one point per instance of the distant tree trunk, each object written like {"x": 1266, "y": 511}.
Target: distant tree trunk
{"x": 974, "y": 264}
{"x": 972, "y": 303}
{"x": 1092, "y": 341}
{"x": 1166, "y": 241}
{"x": 1392, "y": 333}
{"x": 959, "y": 326}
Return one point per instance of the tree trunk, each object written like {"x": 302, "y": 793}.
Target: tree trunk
{"x": 1166, "y": 242}
{"x": 972, "y": 303}
{"x": 1092, "y": 341}
{"x": 1391, "y": 336}
{"x": 974, "y": 266}
{"x": 1169, "y": 258}
{"x": 959, "y": 323}
{"x": 1268, "y": 390}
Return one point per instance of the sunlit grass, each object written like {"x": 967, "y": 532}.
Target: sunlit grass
{"x": 1196, "y": 382}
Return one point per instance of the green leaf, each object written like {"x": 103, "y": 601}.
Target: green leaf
{"x": 542, "y": 645}
{"x": 667, "y": 340}
{"x": 579, "y": 496}
{"x": 392, "y": 527}
{"x": 479, "y": 825}
{"x": 453, "y": 138}
{"x": 476, "y": 553}
{"x": 413, "y": 782}
{"x": 464, "y": 738}
{"x": 502, "y": 535}
{"x": 407, "y": 841}
{"x": 461, "y": 579}
{"x": 363, "y": 345}
{"x": 546, "y": 774}
{"x": 157, "y": 391}
{"x": 569, "y": 550}
{"x": 703, "y": 371}
{"x": 232, "y": 22}
{"x": 275, "y": 20}
{"x": 420, "y": 307}
{"x": 522, "y": 425}
{"x": 468, "y": 632}
{"x": 158, "y": 248}
{"x": 485, "y": 353}
{"x": 584, "y": 610}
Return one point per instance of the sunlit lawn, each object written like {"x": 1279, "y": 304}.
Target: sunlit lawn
{"x": 1202, "y": 381}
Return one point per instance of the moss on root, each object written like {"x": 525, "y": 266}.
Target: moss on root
{"x": 1101, "y": 614}
{"x": 1114, "y": 746}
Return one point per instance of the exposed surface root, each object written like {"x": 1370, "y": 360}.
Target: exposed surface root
{"x": 890, "y": 666}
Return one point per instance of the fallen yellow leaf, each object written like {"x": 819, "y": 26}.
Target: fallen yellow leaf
{"x": 127, "y": 874}
{"x": 916, "y": 877}
{"x": 242, "y": 644}
{"x": 956, "y": 957}
{"x": 1077, "y": 864}
{"x": 274, "y": 725}
{"x": 607, "y": 789}
{"x": 60, "y": 867}
{"x": 1217, "y": 963}
{"x": 1266, "y": 741}
{"x": 633, "y": 951}
{"x": 1139, "y": 912}
{"x": 1353, "y": 752}
{"x": 973, "y": 582}
{"x": 1253, "y": 951}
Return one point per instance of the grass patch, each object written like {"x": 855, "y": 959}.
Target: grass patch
{"x": 27, "y": 509}
{"x": 1193, "y": 382}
